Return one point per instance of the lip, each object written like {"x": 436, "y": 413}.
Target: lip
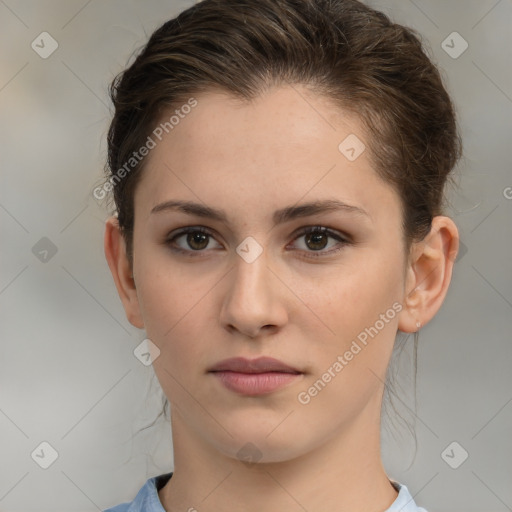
{"x": 258, "y": 365}
{"x": 254, "y": 377}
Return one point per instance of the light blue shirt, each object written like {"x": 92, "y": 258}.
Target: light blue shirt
{"x": 147, "y": 499}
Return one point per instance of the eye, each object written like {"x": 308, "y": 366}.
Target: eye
{"x": 316, "y": 239}
{"x": 195, "y": 239}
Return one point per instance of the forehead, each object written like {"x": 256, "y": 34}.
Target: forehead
{"x": 282, "y": 119}
{"x": 275, "y": 149}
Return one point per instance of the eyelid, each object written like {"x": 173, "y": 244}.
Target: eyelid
{"x": 173, "y": 235}
{"x": 343, "y": 239}
{"x": 322, "y": 228}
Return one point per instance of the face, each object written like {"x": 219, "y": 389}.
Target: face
{"x": 254, "y": 284}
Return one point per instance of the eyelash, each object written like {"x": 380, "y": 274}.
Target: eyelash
{"x": 343, "y": 241}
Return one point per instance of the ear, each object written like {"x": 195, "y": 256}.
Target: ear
{"x": 428, "y": 274}
{"x": 115, "y": 253}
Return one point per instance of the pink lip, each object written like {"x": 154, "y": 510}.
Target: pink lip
{"x": 254, "y": 377}
{"x": 255, "y": 383}
{"x": 258, "y": 365}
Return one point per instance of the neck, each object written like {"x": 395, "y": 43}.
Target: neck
{"x": 345, "y": 473}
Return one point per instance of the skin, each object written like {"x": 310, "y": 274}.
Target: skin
{"x": 251, "y": 159}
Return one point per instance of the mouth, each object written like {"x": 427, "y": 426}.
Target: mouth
{"x": 254, "y": 377}
{"x": 258, "y": 365}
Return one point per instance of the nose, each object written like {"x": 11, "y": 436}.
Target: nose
{"x": 254, "y": 303}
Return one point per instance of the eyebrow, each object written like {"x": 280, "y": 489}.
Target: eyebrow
{"x": 279, "y": 217}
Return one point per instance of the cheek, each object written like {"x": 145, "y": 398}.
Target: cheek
{"x": 174, "y": 316}
{"x": 361, "y": 309}
{"x": 350, "y": 366}
{"x": 174, "y": 305}
{"x": 356, "y": 296}
{"x": 163, "y": 297}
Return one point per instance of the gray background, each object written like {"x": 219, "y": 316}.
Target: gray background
{"x": 68, "y": 375}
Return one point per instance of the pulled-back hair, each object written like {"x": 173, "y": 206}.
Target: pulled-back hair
{"x": 340, "y": 49}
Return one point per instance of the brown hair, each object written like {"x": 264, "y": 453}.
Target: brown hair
{"x": 341, "y": 49}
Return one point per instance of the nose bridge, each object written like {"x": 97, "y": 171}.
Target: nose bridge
{"x": 249, "y": 271}
{"x": 251, "y": 301}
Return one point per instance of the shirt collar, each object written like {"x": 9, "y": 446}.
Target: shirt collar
{"x": 148, "y": 500}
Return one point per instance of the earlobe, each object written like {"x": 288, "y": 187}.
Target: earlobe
{"x": 115, "y": 253}
{"x": 429, "y": 274}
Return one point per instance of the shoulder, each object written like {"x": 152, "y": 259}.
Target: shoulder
{"x": 147, "y": 499}
{"x": 404, "y": 501}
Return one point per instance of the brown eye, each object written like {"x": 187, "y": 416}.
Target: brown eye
{"x": 196, "y": 239}
{"x": 316, "y": 239}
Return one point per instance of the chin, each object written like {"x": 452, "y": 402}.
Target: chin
{"x": 258, "y": 447}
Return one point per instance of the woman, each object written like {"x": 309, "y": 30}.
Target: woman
{"x": 278, "y": 171}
